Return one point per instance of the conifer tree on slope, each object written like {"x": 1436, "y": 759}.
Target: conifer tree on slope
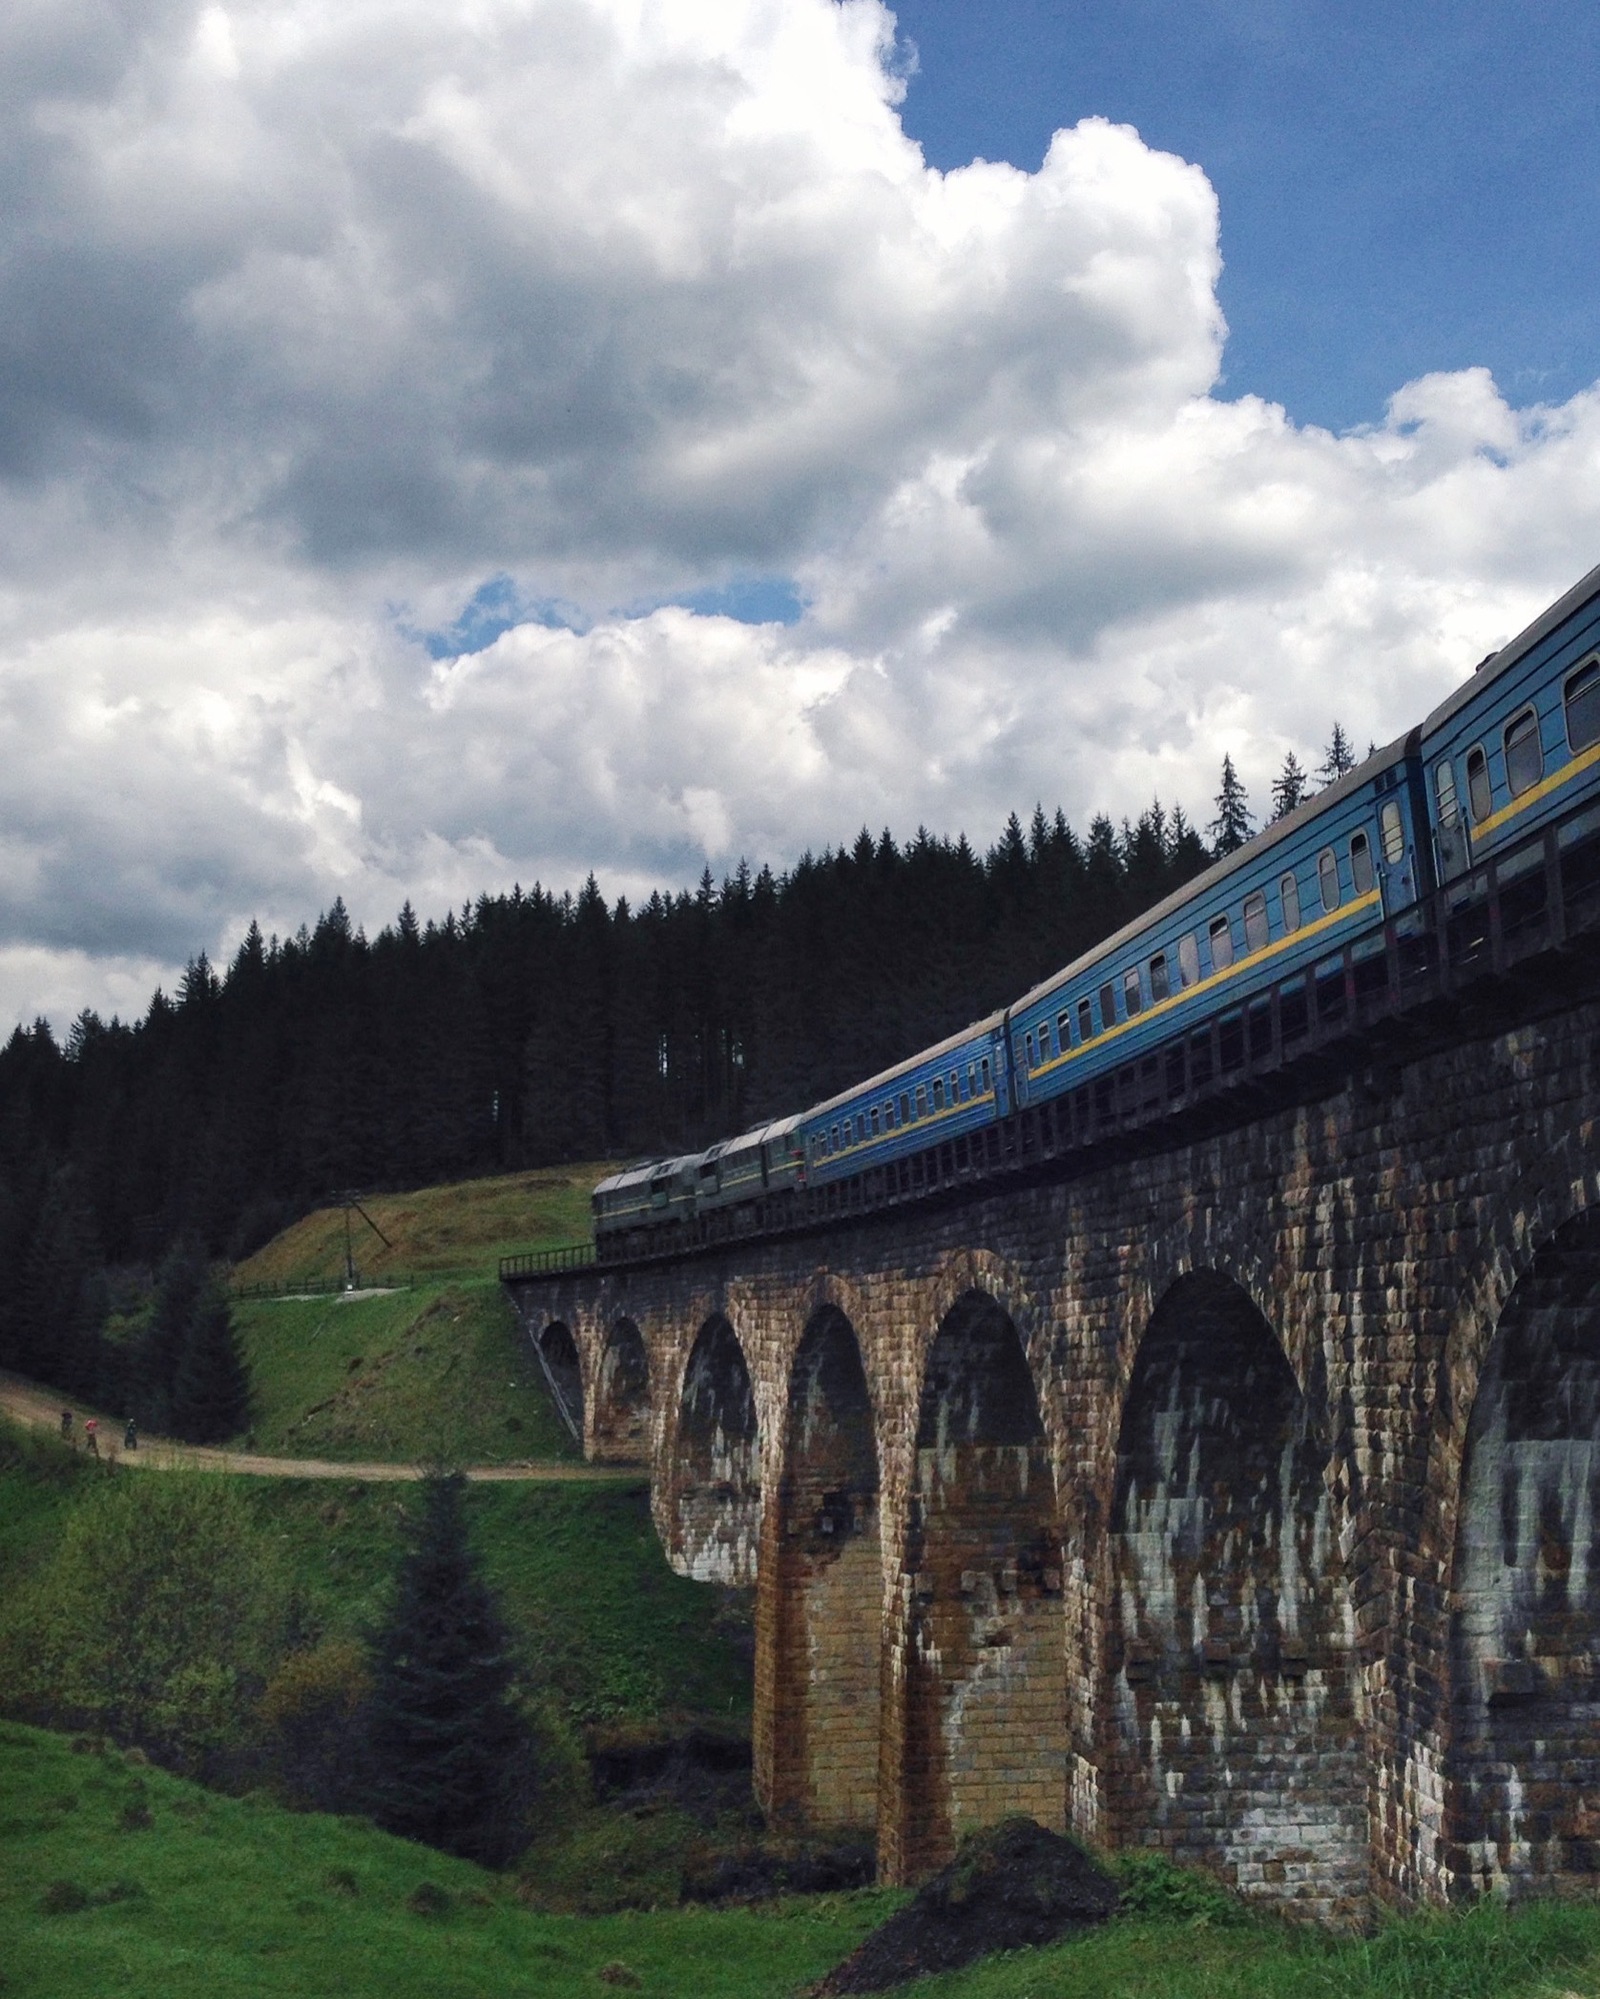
{"x": 211, "y": 1391}
{"x": 450, "y": 1756}
{"x": 180, "y": 1284}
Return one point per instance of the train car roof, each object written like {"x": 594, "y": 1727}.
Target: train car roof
{"x": 1246, "y": 857}
{"x": 1582, "y": 592}
{"x": 985, "y": 1026}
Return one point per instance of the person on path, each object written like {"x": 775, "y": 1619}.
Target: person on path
{"x": 66, "y": 1425}
{"x": 130, "y": 1436}
{"x": 91, "y": 1436}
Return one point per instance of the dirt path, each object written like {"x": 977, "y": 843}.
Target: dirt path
{"x": 40, "y": 1409}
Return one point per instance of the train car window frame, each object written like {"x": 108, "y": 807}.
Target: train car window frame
{"x": 1289, "y": 902}
{"x": 1108, "y": 1005}
{"x": 1045, "y": 1050}
{"x": 877, "y": 1125}
{"x": 1581, "y": 692}
{"x": 1257, "y": 928}
{"x": 1391, "y": 832}
{"x": 988, "y": 1076}
{"x": 953, "y": 1088}
{"x": 1064, "y": 1030}
{"x": 834, "y": 1147}
{"x": 1132, "y": 992}
{"x": 936, "y": 1093}
{"x": 1219, "y": 932}
{"x": 1447, "y": 800}
{"x": 1328, "y": 880}
{"x": 1480, "y": 795}
{"x": 1188, "y": 959}
{"x": 1524, "y": 752}
{"x": 1033, "y": 1058}
{"x": 1362, "y": 878}
{"x": 922, "y": 1101}
{"x": 905, "y": 1107}
{"x": 1085, "y": 1022}
{"x": 1160, "y": 979}
{"x": 888, "y": 1115}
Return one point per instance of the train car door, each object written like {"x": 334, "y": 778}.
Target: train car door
{"x": 1397, "y": 846}
{"x": 1000, "y": 1055}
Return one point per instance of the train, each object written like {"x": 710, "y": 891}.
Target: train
{"x": 1466, "y": 843}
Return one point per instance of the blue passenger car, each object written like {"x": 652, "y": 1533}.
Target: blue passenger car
{"x": 945, "y": 1092}
{"x": 1287, "y": 902}
{"x": 1518, "y": 745}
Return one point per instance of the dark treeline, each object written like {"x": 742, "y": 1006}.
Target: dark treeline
{"x": 526, "y": 1029}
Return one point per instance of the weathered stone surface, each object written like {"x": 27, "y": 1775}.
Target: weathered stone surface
{"x": 1162, "y": 1503}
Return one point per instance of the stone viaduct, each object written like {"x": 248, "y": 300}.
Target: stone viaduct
{"x": 1238, "y": 1497}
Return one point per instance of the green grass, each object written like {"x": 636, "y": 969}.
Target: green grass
{"x": 439, "y": 1372}
{"x": 115, "y": 1877}
{"x": 458, "y": 1230}
{"x": 235, "y": 1896}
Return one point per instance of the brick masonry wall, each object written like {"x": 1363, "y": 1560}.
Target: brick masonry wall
{"x": 1379, "y": 1234}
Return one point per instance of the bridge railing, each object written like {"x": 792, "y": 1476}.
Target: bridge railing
{"x": 546, "y": 1262}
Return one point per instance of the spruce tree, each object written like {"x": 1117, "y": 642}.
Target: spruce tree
{"x": 1234, "y": 822}
{"x": 180, "y": 1284}
{"x": 450, "y": 1756}
{"x": 1338, "y": 758}
{"x": 1289, "y": 787}
{"x": 211, "y": 1390}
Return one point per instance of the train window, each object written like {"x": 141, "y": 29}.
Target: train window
{"x": 1188, "y": 961}
{"x": 1085, "y": 1021}
{"x": 1044, "y": 1041}
{"x": 1033, "y": 1060}
{"x": 888, "y": 1115}
{"x": 1361, "y": 863}
{"x": 953, "y": 1089}
{"x": 1328, "y": 879}
{"x": 1289, "y": 896}
{"x": 972, "y": 1079}
{"x": 938, "y": 1093}
{"x": 1392, "y": 833}
{"x": 1444, "y": 789}
{"x": 1221, "y": 936}
{"x": 1108, "y": 1006}
{"x": 1063, "y": 1032}
{"x": 1160, "y": 984}
{"x": 1132, "y": 995}
{"x": 905, "y": 1109}
{"x": 1583, "y": 705}
{"x": 1478, "y": 784}
{"x": 834, "y": 1147}
{"x": 922, "y": 1101}
{"x": 1255, "y": 921}
{"x": 988, "y": 1080}
{"x": 877, "y": 1123}
{"x": 1524, "y": 755}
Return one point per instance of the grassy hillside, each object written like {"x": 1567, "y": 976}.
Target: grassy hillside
{"x": 462, "y": 1229}
{"x": 117, "y": 1877}
{"x": 440, "y": 1371}
{"x": 436, "y": 1370}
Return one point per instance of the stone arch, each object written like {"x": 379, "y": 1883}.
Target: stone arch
{"x": 1233, "y": 1696}
{"x": 984, "y": 1726}
{"x": 717, "y": 1473}
{"x": 621, "y": 1417}
{"x": 1523, "y": 1773}
{"x": 826, "y": 1588}
{"x": 563, "y": 1373}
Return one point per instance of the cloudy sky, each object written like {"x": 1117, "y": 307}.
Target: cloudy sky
{"x": 449, "y": 442}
